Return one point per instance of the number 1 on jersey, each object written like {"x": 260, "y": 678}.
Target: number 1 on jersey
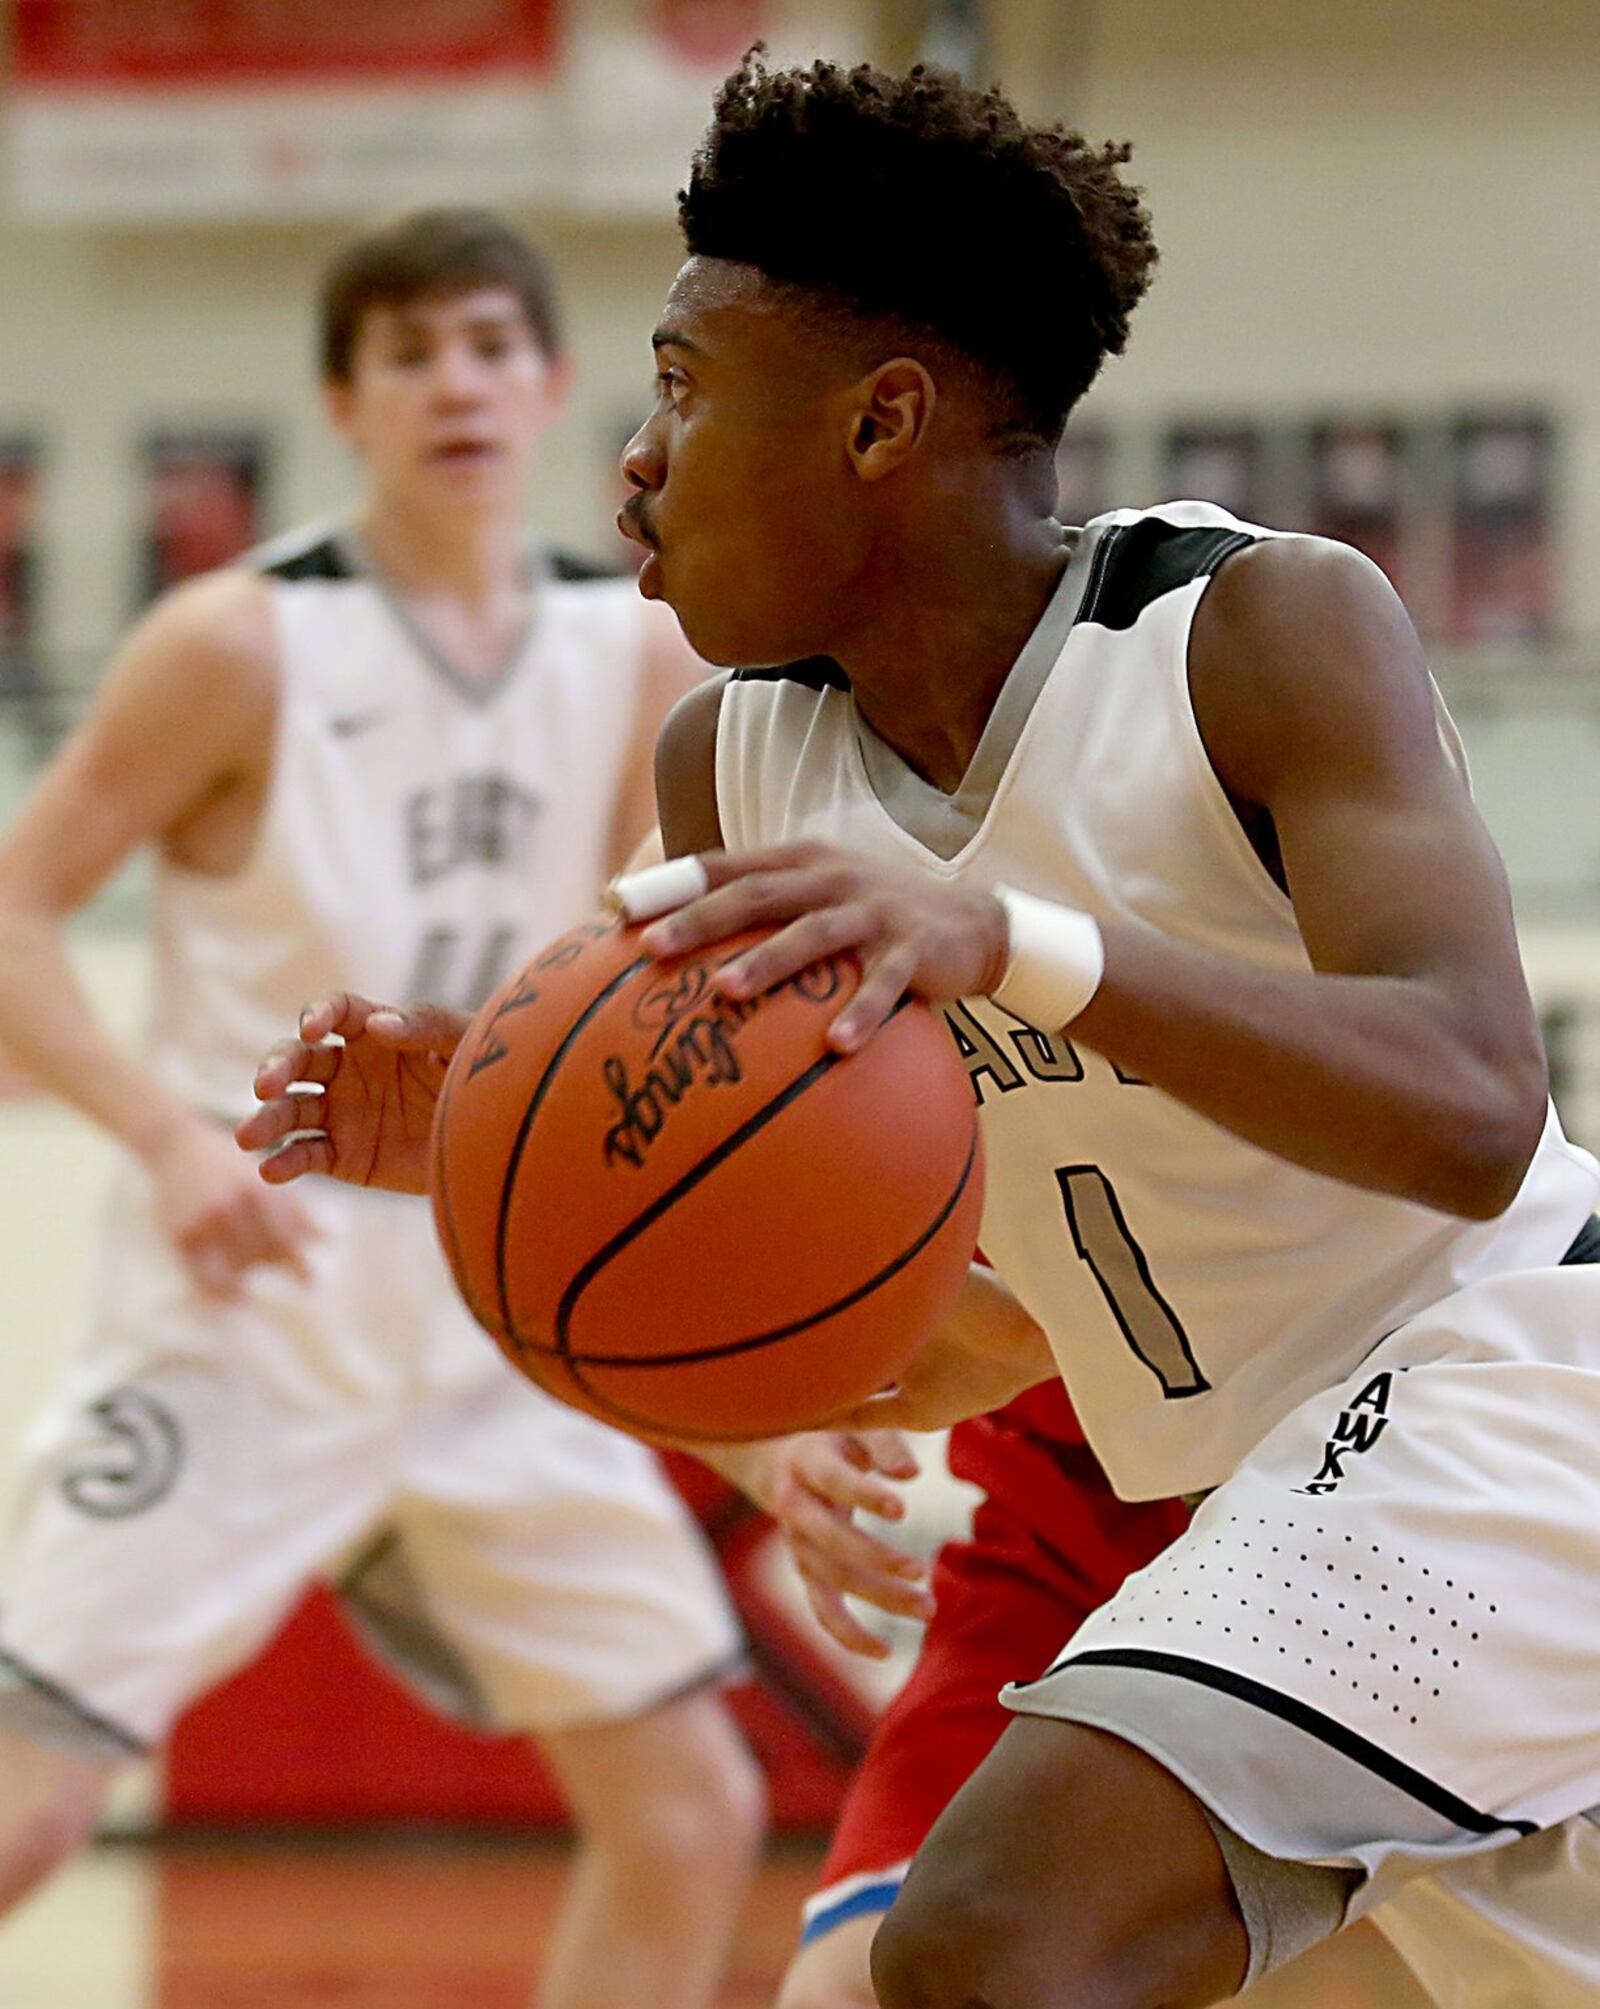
{"x": 1149, "y": 1324}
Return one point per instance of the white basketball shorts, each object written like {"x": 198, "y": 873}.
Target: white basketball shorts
{"x": 525, "y": 1566}
{"x": 1379, "y": 1642}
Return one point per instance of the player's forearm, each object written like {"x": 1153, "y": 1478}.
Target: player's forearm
{"x": 1383, "y": 1082}
{"x": 50, "y": 1031}
{"x": 750, "y": 1468}
{"x": 986, "y": 1320}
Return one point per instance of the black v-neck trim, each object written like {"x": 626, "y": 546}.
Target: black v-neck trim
{"x": 477, "y": 691}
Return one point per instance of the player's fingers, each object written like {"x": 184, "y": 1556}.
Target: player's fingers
{"x": 421, "y": 1028}
{"x": 813, "y": 938}
{"x": 884, "y": 982}
{"x": 278, "y": 1119}
{"x": 755, "y": 900}
{"x": 839, "y": 1483}
{"x": 344, "y": 1013}
{"x": 291, "y": 1060}
{"x": 840, "y": 1623}
{"x": 885, "y": 1451}
{"x": 879, "y": 1588}
{"x": 827, "y": 1532}
{"x": 304, "y": 1153}
{"x": 210, "y": 1265}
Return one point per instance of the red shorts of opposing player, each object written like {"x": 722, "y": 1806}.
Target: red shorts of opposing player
{"x": 1050, "y": 1542}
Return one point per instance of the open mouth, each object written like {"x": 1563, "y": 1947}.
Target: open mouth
{"x": 464, "y": 453}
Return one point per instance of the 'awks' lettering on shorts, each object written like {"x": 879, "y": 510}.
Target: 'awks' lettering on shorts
{"x": 1358, "y": 1429}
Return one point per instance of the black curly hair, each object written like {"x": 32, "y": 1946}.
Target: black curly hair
{"x": 922, "y": 203}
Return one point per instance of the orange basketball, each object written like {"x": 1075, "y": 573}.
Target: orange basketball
{"x": 688, "y": 1214}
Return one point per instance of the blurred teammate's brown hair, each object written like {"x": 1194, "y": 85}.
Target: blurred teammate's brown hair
{"x": 431, "y": 254}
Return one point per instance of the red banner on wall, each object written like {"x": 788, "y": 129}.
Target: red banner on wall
{"x": 121, "y": 44}
{"x": 147, "y": 109}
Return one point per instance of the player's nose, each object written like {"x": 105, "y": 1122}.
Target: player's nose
{"x": 644, "y": 461}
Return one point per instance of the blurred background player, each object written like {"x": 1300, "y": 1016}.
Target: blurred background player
{"x": 388, "y": 753}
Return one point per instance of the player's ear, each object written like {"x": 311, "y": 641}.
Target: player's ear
{"x": 890, "y": 414}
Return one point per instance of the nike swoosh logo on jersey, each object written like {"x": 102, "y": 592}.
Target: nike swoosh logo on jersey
{"x": 348, "y": 724}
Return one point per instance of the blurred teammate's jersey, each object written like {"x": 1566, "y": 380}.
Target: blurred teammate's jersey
{"x": 1195, "y": 1287}
{"x": 422, "y": 829}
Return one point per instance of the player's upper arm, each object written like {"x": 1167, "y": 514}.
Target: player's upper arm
{"x": 1314, "y": 701}
{"x": 185, "y": 711}
{"x": 668, "y": 670}
{"x": 686, "y": 773}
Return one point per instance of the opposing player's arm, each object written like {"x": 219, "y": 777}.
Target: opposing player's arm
{"x": 686, "y": 773}
{"x": 669, "y": 670}
{"x": 1408, "y": 1058}
{"x": 183, "y": 717}
{"x": 987, "y": 1352}
{"x": 814, "y": 1485}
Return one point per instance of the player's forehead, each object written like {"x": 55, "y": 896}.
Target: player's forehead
{"x": 728, "y": 314}
{"x": 440, "y": 313}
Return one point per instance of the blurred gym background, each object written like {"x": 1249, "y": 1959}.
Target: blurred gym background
{"x": 1376, "y": 315}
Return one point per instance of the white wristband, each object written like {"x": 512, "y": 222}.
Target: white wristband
{"x": 658, "y": 889}
{"x": 1057, "y": 959}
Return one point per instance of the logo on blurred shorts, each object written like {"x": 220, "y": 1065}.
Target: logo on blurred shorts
{"x": 134, "y": 1466}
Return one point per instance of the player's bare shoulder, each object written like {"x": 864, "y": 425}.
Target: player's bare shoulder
{"x": 686, "y": 771}
{"x": 177, "y": 746}
{"x": 1301, "y": 645}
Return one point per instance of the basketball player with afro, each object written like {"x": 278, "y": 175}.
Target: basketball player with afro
{"x": 1164, "y": 812}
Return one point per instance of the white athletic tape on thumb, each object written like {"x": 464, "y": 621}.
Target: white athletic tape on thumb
{"x": 642, "y": 896}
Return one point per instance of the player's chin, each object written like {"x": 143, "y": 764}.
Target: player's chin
{"x": 715, "y": 639}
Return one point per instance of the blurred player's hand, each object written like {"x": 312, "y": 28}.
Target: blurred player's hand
{"x": 216, "y": 1216}
{"x": 813, "y": 1485}
{"x": 911, "y": 932}
{"x": 353, "y": 1096}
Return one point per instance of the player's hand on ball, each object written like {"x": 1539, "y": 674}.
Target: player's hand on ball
{"x": 814, "y": 1485}
{"x": 217, "y": 1217}
{"x": 353, "y": 1096}
{"x": 911, "y": 932}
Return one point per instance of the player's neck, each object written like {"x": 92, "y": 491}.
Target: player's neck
{"x": 475, "y": 558}
{"x": 929, "y": 658}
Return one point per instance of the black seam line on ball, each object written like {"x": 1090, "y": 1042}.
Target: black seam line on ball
{"x": 628, "y": 1418}
{"x": 1301, "y": 1716}
{"x": 524, "y": 1128}
{"x": 730, "y": 1347}
{"x": 751, "y": 1126}
{"x": 441, "y": 1192}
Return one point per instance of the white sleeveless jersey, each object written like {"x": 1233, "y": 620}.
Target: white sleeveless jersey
{"x": 421, "y": 830}
{"x": 1195, "y": 1288}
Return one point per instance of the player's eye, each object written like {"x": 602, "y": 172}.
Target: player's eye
{"x": 671, "y": 385}
{"x": 494, "y": 348}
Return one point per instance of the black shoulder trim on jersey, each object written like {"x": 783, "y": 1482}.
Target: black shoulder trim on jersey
{"x": 1302, "y": 1716}
{"x": 1139, "y": 562}
{"x": 572, "y": 569}
{"x": 817, "y": 673}
{"x": 326, "y": 559}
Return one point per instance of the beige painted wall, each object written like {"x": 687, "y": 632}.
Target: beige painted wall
{"x": 1381, "y": 201}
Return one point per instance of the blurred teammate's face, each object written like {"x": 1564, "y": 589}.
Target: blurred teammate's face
{"x": 448, "y": 397}
{"x": 743, "y": 493}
